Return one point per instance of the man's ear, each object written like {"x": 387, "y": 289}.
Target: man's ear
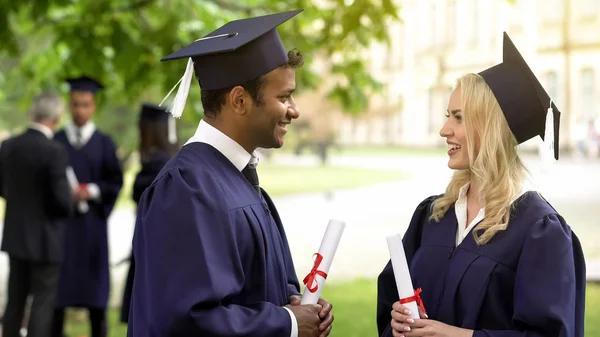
{"x": 238, "y": 100}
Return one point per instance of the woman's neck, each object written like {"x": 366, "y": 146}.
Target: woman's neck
{"x": 473, "y": 196}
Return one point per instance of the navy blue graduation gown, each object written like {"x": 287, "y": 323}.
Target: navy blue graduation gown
{"x": 529, "y": 280}
{"x": 143, "y": 179}
{"x": 212, "y": 258}
{"x": 85, "y": 277}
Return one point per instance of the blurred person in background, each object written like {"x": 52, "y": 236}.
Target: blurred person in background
{"x": 157, "y": 143}
{"x": 38, "y": 202}
{"x": 85, "y": 278}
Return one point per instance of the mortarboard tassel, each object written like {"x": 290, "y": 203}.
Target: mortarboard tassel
{"x": 184, "y": 88}
{"x": 548, "y": 146}
{"x": 172, "y": 130}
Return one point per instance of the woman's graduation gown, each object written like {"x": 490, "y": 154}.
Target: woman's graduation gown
{"x": 529, "y": 280}
{"x": 143, "y": 179}
{"x": 211, "y": 257}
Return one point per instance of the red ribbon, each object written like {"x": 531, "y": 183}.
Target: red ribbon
{"x": 310, "y": 278}
{"x": 415, "y": 298}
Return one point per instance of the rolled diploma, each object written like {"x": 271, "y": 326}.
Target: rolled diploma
{"x": 329, "y": 245}
{"x": 401, "y": 273}
{"x": 72, "y": 178}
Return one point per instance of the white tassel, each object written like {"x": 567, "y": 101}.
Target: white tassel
{"x": 172, "y": 130}
{"x": 548, "y": 146}
{"x": 182, "y": 94}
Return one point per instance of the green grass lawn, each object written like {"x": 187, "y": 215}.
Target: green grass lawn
{"x": 354, "y": 309}
{"x": 284, "y": 180}
{"x": 280, "y": 180}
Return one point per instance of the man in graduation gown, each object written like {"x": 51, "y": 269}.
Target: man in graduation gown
{"x": 85, "y": 275}
{"x": 212, "y": 257}
{"x": 38, "y": 202}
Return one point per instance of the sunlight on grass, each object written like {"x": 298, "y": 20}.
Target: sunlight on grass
{"x": 592, "y": 310}
{"x": 282, "y": 180}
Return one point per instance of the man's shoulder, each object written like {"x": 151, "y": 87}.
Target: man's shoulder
{"x": 55, "y": 147}
{"x": 103, "y": 136}
{"x": 21, "y": 138}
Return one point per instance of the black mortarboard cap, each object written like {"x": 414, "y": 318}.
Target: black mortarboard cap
{"x": 85, "y": 83}
{"x": 521, "y": 96}
{"x": 239, "y": 51}
{"x": 155, "y": 114}
{"x": 151, "y": 112}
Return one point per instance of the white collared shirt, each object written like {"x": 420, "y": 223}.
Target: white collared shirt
{"x": 87, "y": 130}
{"x": 43, "y": 129}
{"x": 460, "y": 208}
{"x": 239, "y": 157}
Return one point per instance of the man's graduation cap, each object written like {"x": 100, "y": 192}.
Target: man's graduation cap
{"x": 156, "y": 114}
{"x": 239, "y": 51}
{"x": 85, "y": 83}
{"x": 527, "y": 107}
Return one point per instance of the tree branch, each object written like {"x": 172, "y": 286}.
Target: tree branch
{"x": 233, "y": 6}
{"x": 136, "y": 6}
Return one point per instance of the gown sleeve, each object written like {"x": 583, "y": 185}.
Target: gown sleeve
{"x": 189, "y": 268}
{"x": 549, "y": 288}
{"x": 387, "y": 292}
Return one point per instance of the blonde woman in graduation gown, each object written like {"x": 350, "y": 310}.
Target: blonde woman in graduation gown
{"x": 492, "y": 259}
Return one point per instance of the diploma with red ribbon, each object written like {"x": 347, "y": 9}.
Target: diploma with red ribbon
{"x": 315, "y": 279}
{"x": 82, "y": 205}
{"x": 408, "y": 296}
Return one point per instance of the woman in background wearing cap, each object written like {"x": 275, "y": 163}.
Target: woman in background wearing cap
{"x": 490, "y": 258}
{"x": 158, "y": 142}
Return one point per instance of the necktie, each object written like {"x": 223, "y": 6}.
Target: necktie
{"x": 250, "y": 173}
{"x": 78, "y": 139}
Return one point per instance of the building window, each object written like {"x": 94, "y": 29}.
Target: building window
{"x": 590, "y": 8}
{"x": 433, "y": 29}
{"x": 431, "y": 120}
{"x": 552, "y": 85}
{"x": 588, "y": 89}
{"x": 451, "y": 19}
{"x": 475, "y": 16}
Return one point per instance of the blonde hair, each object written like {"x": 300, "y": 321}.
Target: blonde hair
{"x": 496, "y": 165}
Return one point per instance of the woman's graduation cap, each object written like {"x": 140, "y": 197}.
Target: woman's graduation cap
{"x": 85, "y": 83}
{"x": 156, "y": 114}
{"x": 528, "y": 109}
{"x": 151, "y": 112}
{"x": 239, "y": 51}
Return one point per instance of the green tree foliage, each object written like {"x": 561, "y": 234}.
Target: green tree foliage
{"x": 120, "y": 42}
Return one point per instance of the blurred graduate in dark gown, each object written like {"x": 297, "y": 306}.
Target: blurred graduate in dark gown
{"x": 85, "y": 275}
{"x": 158, "y": 142}
{"x": 491, "y": 257}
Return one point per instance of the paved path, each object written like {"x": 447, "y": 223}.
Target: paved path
{"x": 373, "y": 212}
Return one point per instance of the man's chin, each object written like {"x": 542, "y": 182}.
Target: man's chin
{"x": 277, "y": 144}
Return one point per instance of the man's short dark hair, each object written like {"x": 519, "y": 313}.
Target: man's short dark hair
{"x": 214, "y": 100}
